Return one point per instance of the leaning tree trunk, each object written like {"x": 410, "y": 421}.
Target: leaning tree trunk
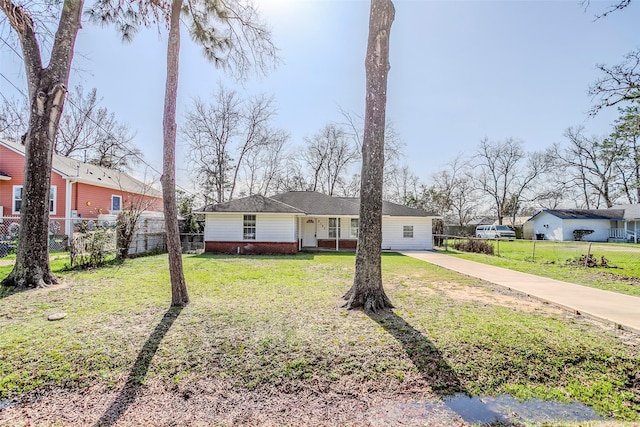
{"x": 179, "y": 295}
{"x": 47, "y": 90}
{"x": 367, "y": 291}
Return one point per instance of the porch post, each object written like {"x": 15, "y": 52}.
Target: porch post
{"x": 337, "y": 234}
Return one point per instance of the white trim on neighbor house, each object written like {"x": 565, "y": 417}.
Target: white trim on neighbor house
{"x": 15, "y": 211}
{"x": 114, "y": 197}
{"x": 53, "y": 199}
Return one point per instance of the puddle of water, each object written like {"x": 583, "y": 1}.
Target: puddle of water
{"x": 507, "y": 409}
{"x": 4, "y": 404}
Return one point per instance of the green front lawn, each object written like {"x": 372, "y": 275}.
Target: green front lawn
{"x": 557, "y": 260}
{"x": 260, "y": 322}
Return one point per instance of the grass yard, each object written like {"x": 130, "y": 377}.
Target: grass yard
{"x": 551, "y": 261}
{"x": 265, "y": 342}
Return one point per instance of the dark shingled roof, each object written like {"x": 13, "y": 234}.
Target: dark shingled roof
{"x": 307, "y": 202}
{"x": 611, "y": 214}
{"x": 314, "y": 203}
{"x": 252, "y": 204}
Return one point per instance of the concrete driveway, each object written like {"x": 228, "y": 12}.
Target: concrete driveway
{"x": 623, "y": 311}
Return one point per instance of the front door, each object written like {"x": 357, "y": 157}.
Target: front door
{"x": 309, "y": 233}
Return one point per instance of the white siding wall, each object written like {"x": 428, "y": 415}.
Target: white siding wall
{"x": 554, "y": 230}
{"x": 275, "y": 228}
{"x": 269, "y": 227}
{"x": 322, "y": 232}
{"x": 392, "y": 233}
{"x": 282, "y": 228}
{"x": 223, "y": 227}
{"x": 562, "y": 230}
{"x": 600, "y": 229}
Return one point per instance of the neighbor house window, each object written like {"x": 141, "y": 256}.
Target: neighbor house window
{"x": 407, "y": 231}
{"x": 52, "y": 199}
{"x": 334, "y": 227}
{"x": 354, "y": 228}
{"x": 249, "y": 227}
{"x": 17, "y": 199}
{"x": 116, "y": 203}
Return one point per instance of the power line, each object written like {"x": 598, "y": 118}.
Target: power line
{"x": 108, "y": 133}
{"x": 68, "y": 99}
{"x": 11, "y": 47}
{"x": 12, "y": 84}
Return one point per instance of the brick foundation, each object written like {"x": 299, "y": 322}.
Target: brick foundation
{"x": 342, "y": 243}
{"x": 252, "y": 247}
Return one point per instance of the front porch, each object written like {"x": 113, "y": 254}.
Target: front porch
{"x": 327, "y": 233}
{"x": 629, "y": 233}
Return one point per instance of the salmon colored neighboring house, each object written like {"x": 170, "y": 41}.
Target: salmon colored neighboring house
{"x": 78, "y": 190}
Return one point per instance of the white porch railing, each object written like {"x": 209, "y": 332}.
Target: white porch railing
{"x": 622, "y": 234}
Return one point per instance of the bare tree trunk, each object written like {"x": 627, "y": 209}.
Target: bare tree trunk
{"x": 179, "y": 296}
{"x": 367, "y": 291}
{"x": 47, "y": 90}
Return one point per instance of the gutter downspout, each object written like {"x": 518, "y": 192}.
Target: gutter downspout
{"x": 67, "y": 207}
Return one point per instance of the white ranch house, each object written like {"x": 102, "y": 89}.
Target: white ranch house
{"x": 297, "y": 220}
{"x": 620, "y": 223}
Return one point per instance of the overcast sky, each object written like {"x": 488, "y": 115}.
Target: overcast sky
{"x": 460, "y": 71}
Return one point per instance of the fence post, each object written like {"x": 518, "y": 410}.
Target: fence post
{"x": 586, "y": 260}
{"x": 533, "y": 251}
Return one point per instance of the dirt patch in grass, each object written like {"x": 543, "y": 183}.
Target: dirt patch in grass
{"x": 265, "y": 342}
{"x": 496, "y": 295}
{"x": 214, "y": 402}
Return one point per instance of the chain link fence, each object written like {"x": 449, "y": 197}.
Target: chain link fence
{"x": 149, "y": 235}
{"x": 624, "y": 256}
{"x": 10, "y": 230}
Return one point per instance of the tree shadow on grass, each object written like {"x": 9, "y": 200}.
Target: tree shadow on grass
{"x": 139, "y": 370}
{"x": 435, "y": 370}
{"x": 423, "y": 353}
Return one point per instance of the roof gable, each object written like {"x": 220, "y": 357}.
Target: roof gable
{"x": 631, "y": 212}
{"x": 252, "y": 204}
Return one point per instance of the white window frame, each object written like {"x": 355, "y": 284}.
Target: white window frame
{"x": 53, "y": 199}
{"x": 247, "y": 225}
{"x": 13, "y": 200}
{"x": 353, "y": 232}
{"x": 407, "y": 231}
{"x": 113, "y": 197}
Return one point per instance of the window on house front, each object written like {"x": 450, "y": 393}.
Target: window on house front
{"x": 249, "y": 227}
{"x": 17, "y": 199}
{"x": 407, "y": 231}
{"x": 354, "y": 228}
{"x": 334, "y": 228}
{"x": 116, "y": 203}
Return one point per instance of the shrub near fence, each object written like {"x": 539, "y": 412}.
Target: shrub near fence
{"x": 620, "y": 258}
